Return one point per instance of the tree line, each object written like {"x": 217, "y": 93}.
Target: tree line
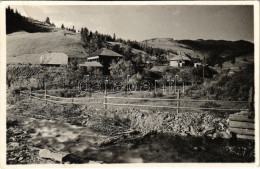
{"x": 16, "y": 22}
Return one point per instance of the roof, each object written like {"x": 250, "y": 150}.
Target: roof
{"x": 93, "y": 57}
{"x": 180, "y": 57}
{"x": 91, "y": 64}
{"x": 54, "y": 59}
{"x": 105, "y": 52}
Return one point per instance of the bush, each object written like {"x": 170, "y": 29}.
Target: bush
{"x": 235, "y": 87}
{"x": 15, "y": 91}
{"x": 158, "y": 94}
{"x": 68, "y": 93}
{"x": 224, "y": 80}
{"x": 210, "y": 104}
{"x": 11, "y": 122}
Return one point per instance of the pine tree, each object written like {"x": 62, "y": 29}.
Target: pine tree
{"x": 48, "y": 20}
{"x": 114, "y": 37}
{"x": 233, "y": 60}
{"x": 62, "y": 26}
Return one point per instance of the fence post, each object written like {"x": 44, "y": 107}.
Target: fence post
{"x": 183, "y": 88}
{"x": 45, "y": 94}
{"x": 105, "y": 100}
{"x": 178, "y": 101}
{"x": 31, "y": 94}
{"x": 251, "y": 100}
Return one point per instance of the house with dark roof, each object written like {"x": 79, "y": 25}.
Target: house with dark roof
{"x": 179, "y": 60}
{"x": 104, "y": 56}
{"x": 54, "y": 59}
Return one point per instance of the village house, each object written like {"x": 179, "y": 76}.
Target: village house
{"x": 179, "y": 60}
{"x": 104, "y": 56}
{"x": 54, "y": 59}
{"x": 197, "y": 64}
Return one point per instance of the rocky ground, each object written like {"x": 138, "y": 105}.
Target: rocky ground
{"x": 39, "y": 133}
{"x": 25, "y": 145}
{"x": 19, "y": 150}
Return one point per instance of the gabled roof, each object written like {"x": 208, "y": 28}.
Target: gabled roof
{"x": 180, "y": 57}
{"x": 91, "y": 64}
{"x": 105, "y": 52}
{"x": 54, "y": 59}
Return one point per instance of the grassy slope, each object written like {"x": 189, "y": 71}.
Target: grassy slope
{"x": 200, "y": 48}
{"x": 28, "y": 47}
{"x": 135, "y": 51}
{"x": 169, "y": 44}
{"x": 23, "y": 47}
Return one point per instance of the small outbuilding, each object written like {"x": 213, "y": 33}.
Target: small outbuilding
{"x": 54, "y": 59}
{"x": 179, "y": 60}
{"x": 197, "y": 64}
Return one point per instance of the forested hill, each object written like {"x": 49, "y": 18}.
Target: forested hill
{"x": 15, "y": 22}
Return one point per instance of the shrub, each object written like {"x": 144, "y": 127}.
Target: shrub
{"x": 224, "y": 80}
{"x": 158, "y": 94}
{"x": 235, "y": 87}
{"x": 15, "y": 91}
{"x": 68, "y": 93}
{"x": 210, "y": 104}
{"x": 11, "y": 122}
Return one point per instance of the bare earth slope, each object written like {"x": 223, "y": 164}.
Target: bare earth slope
{"x": 23, "y": 47}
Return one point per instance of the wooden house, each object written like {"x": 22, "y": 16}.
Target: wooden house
{"x": 54, "y": 59}
{"x": 179, "y": 60}
{"x": 104, "y": 56}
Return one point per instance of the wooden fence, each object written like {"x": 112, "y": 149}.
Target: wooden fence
{"x": 105, "y": 101}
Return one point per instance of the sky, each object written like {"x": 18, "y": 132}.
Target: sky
{"x": 157, "y": 21}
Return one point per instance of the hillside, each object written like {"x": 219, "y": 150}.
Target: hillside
{"x": 15, "y": 22}
{"x": 170, "y": 44}
{"x": 135, "y": 51}
{"x": 23, "y": 47}
{"x": 28, "y": 39}
{"x": 203, "y": 48}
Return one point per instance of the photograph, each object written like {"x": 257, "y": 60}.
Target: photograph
{"x": 115, "y": 83}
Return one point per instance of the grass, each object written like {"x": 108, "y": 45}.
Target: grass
{"x": 185, "y": 101}
{"x": 25, "y": 47}
{"x": 165, "y": 43}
